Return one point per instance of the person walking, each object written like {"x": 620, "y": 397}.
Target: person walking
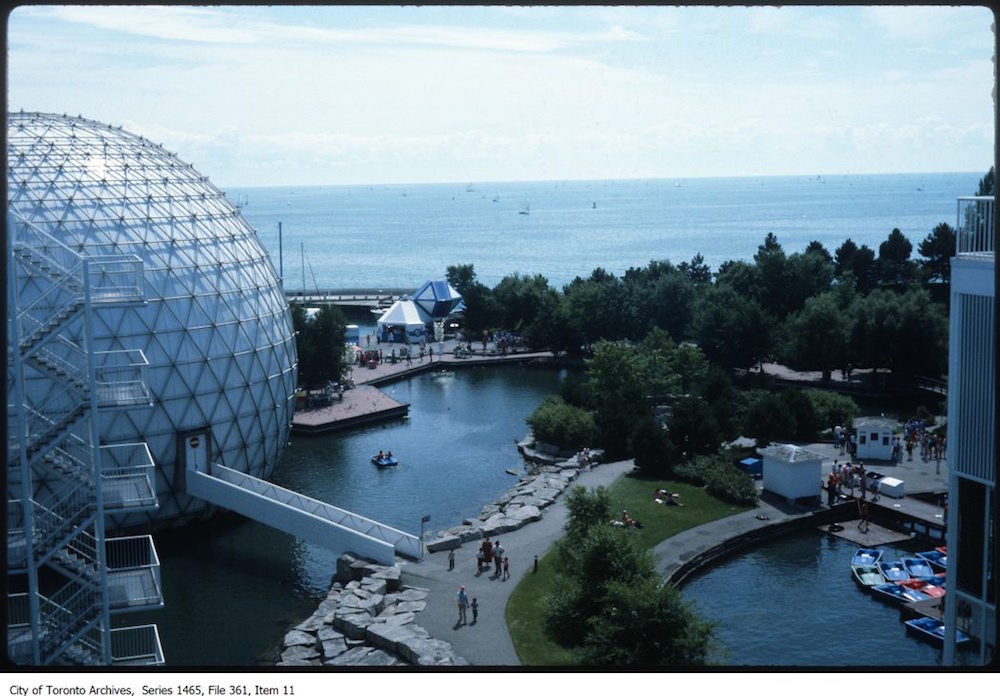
{"x": 463, "y": 604}
{"x": 475, "y": 611}
{"x": 506, "y": 567}
{"x": 498, "y": 557}
{"x": 864, "y": 516}
{"x": 451, "y": 559}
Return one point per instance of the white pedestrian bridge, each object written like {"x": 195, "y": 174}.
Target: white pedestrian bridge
{"x": 310, "y": 519}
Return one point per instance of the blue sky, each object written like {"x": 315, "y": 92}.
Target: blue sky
{"x": 358, "y": 95}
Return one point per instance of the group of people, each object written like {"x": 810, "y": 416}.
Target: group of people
{"x": 844, "y": 440}
{"x": 495, "y": 554}
{"x": 487, "y": 554}
{"x": 847, "y": 476}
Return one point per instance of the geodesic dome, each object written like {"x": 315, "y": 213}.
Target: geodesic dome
{"x": 215, "y": 327}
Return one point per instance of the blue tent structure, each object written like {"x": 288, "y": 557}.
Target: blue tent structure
{"x": 753, "y": 466}
{"x": 437, "y": 298}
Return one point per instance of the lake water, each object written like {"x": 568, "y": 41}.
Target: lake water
{"x": 793, "y": 602}
{"x": 399, "y": 236}
{"x": 232, "y": 587}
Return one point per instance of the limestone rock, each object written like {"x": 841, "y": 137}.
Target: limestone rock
{"x": 353, "y": 625}
{"x": 328, "y": 633}
{"x": 297, "y": 637}
{"x": 412, "y": 594}
{"x": 354, "y": 656}
{"x": 374, "y": 585}
{"x": 527, "y": 513}
{"x": 299, "y": 652}
{"x": 410, "y": 606}
{"x": 333, "y": 648}
{"x": 391, "y": 576}
{"x": 386, "y": 635}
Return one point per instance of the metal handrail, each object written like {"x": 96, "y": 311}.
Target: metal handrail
{"x": 975, "y": 233}
{"x": 403, "y": 542}
{"x": 136, "y": 645}
{"x": 116, "y": 278}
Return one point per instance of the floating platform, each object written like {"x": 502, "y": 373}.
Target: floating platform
{"x": 875, "y": 536}
{"x": 361, "y": 406}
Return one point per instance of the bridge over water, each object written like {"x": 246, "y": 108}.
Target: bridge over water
{"x": 349, "y": 297}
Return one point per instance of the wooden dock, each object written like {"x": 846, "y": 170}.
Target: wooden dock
{"x": 361, "y": 406}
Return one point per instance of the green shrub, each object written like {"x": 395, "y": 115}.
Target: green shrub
{"x": 832, "y": 409}
{"x": 720, "y": 478}
{"x": 646, "y": 623}
{"x": 807, "y": 423}
{"x": 769, "y": 418}
{"x": 558, "y": 423}
{"x": 651, "y": 448}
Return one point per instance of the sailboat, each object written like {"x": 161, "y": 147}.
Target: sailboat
{"x": 526, "y": 210}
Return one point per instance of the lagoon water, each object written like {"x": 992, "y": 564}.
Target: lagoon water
{"x": 399, "y": 236}
{"x": 233, "y": 587}
{"x": 793, "y": 603}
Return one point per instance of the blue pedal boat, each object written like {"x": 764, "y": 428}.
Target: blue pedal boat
{"x": 891, "y": 592}
{"x": 935, "y": 558}
{"x": 917, "y": 567}
{"x": 384, "y": 461}
{"x": 866, "y": 557}
{"x": 932, "y": 630}
{"x": 894, "y": 571}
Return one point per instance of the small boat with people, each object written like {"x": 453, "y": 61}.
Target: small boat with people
{"x": 894, "y": 571}
{"x": 894, "y": 592}
{"x": 936, "y": 557}
{"x": 384, "y": 459}
{"x": 932, "y": 630}
{"x": 917, "y": 567}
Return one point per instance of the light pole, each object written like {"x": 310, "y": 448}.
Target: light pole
{"x": 423, "y": 520}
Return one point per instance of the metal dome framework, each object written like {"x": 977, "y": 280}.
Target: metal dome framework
{"x": 141, "y": 308}
{"x": 215, "y": 330}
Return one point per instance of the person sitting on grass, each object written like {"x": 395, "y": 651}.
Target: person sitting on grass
{"x": 665, "y": 497}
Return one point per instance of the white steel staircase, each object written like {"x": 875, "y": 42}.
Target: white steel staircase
{"x": 69, "y": 577}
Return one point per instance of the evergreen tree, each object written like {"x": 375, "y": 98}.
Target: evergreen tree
{"x": 937, "y": 248}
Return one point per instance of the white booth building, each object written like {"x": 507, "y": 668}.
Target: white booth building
{"x": 791, "y": 471}
{"x": 874, "y": 437}
{"x": 404, "y": 322}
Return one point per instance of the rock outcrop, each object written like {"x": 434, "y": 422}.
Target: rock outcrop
{"x": 521, "y": 504}
{"x": 368, "y": 619}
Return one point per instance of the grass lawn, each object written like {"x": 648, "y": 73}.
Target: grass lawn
{"x": 526, "y": 607}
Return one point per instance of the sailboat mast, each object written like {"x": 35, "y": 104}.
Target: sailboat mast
{"x": 281, "y": 258}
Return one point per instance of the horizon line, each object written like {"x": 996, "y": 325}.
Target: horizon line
{"x": 485, "y": 182}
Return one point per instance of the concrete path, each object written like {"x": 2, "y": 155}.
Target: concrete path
{"x": 488, "y": 643}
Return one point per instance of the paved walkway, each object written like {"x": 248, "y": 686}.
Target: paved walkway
{"x": 488, "y": 642}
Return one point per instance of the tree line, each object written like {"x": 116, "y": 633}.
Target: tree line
{"x": 810, "y": 310}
